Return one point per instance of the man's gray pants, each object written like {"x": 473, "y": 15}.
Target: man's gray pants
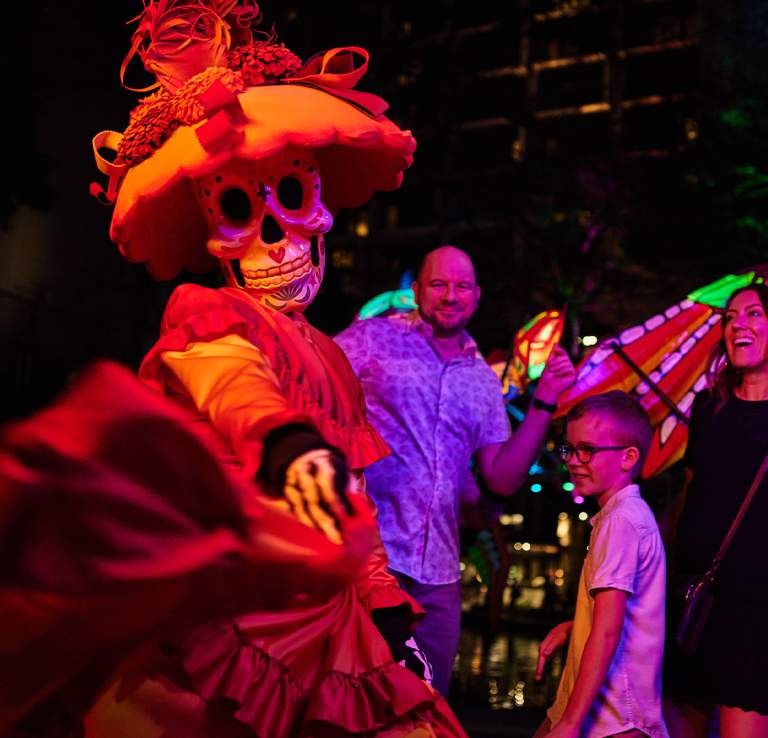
{"x": 438, "y": 633}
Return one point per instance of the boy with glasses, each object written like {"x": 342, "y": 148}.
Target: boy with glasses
{"x": 611, "y": 683}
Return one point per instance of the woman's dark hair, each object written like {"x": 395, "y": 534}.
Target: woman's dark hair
{"x": 723, "y": 378}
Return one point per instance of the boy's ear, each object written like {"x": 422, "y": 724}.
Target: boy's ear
{"x": 630, "y": 458}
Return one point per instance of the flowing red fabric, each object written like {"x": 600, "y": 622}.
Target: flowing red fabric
{"x": 116, "y": 521}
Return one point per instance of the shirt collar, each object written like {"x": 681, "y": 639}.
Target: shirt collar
{"x": 415, "y": 322}
{"x": 631, "y": 490}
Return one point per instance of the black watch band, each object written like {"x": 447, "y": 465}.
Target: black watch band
{"x": 541, "y": 405}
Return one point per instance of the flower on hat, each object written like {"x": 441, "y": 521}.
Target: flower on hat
{"x": 188, "y": 45}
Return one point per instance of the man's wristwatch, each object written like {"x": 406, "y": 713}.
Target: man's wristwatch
{"x": 541, "y": 405}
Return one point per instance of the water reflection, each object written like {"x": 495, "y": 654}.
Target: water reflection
{"x": 493, "y": 690}
{"x": 499, "y": 671}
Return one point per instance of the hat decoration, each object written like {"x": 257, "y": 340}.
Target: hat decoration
{"x": 222, "y": 92}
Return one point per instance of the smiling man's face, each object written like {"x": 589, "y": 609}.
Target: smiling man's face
{"x": 446, "y": 291}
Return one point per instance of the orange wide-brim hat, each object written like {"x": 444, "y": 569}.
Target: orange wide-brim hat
{"x": 157, "y": 219}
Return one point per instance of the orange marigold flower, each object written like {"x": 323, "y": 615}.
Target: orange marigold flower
{"x": 263, "y": 62}
{"x": 151, "y": 122}
{"x": 185, "y": 106}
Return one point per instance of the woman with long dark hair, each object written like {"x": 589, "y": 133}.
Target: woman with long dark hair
{"x": 727, "y": 443}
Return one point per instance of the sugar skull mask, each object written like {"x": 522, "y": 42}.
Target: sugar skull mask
{"x": 266, "y": 223}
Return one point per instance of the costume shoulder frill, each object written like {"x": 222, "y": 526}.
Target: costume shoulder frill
{"x": 337, "y": 409}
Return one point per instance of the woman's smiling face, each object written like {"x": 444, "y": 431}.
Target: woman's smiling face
{"x": 745, "y": 329}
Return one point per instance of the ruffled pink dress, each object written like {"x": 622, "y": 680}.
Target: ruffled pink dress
{"x": 313, "y": 670}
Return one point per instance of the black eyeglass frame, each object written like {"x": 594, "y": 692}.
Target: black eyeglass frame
{"x": 584, "y": 454}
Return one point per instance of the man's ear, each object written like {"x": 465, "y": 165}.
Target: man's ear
{"x": 631, "y": 458}
{"x": 415, "y": 288}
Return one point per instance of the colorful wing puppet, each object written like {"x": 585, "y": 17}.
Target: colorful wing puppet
{"x": 663, "y": 361}
{"x": 531, "y": 349}
{"x": 534, "y": 343}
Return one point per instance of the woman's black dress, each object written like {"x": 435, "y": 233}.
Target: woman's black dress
{"x": 725, "y": 450}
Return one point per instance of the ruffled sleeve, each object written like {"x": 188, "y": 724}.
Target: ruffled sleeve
{"x": 210, "y": 352}
{"x": 233, "y": 384}
{"x": 249, "y": 370}
{"x": 193, "y": 314}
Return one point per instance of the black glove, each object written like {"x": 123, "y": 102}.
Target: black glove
{"x": 394, "y": 625}
{"x": 299, "y": 466}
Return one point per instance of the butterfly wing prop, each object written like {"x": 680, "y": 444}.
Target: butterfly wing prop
{"x": 663, "y": 362}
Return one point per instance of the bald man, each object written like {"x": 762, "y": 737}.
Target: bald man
{"x": 437, "y": 404}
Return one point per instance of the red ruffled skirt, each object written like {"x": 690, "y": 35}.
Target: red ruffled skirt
{"x": 321, "y": 672}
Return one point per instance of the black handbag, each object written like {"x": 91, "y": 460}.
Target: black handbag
{"x": 698, "y": 596}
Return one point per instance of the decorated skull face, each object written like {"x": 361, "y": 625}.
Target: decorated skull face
{"x": 266, "y": 224}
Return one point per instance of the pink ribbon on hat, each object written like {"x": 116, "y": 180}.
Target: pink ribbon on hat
{"x": 334, "y": 72}
{"x": 109, "y": 141}
{"x": 224, "y": 126}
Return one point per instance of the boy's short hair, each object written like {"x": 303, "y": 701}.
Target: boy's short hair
{"x": 632, "y": 425}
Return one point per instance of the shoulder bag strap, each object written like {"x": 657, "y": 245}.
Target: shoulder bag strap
{"x": 739, "y": 517}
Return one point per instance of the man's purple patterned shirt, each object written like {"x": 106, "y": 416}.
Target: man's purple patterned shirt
{"x": 434, "y": 415}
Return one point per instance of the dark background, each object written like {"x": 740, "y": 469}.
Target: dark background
{"x": 607, "y": 154}
{"x": 611, "y": 154}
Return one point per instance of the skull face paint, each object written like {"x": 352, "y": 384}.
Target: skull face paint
{"x": 266, "y": 224}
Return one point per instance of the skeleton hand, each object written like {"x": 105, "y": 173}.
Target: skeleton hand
{"x": 316, "y": 490}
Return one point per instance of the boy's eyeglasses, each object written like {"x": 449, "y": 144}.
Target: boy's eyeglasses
{"x": 583, "y": 451}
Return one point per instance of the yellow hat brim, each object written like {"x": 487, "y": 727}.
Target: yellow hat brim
{"x": 157, "y": 219}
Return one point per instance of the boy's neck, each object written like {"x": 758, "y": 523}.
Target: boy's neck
{"x": 604, "y": 497}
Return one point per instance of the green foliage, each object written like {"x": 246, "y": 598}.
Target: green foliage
{"x": 736, "y": 118}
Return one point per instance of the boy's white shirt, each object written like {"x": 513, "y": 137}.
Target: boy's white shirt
{"x": 625, "y": 553}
